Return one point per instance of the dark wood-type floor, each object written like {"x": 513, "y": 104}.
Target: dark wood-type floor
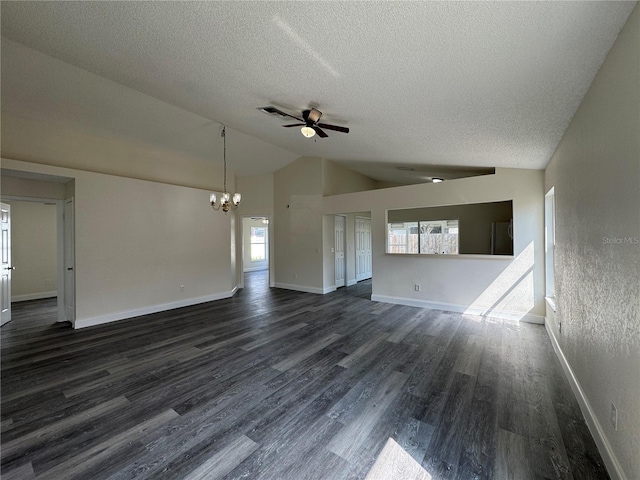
{"x": 276, "y": 384}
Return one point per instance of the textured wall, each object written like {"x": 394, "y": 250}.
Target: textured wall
{"x": 596, "y": 175}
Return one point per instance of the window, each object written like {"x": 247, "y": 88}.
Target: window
{"x": 439, "y": 237}
{"x": 403, "y": 237}
{"x": 487, "y": 228}
{"x": 258, "y": 244}
{"x": 550, "y": 241}
{"x": 431, "y": 236}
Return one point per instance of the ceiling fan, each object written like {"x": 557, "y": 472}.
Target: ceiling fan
{"x": 311, "y": 119}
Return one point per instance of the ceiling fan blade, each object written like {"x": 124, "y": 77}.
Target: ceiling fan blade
{"x": 295, "y": 125}
{"x": 320, "y": 133}
{"x": 334, "y": 127}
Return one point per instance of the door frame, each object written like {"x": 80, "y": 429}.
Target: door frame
{"x": 7, "y": 267}
{"x": 344, "y": 249}
{"x": 60, "y": 239}
{"x": 69, "y": 241}
{"x": 270, "y": 245}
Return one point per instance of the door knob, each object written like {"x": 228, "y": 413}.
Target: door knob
{"x": 69, "y": 268}
{"x": 9, "y": 268}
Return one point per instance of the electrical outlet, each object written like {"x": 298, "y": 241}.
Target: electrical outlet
{"x": 182, "y": 288}
{"x": 295, "y": 275}
{"x": 47, "y": 282}
{"x": 417, "y": 287}
{"x": 614, "y": 417}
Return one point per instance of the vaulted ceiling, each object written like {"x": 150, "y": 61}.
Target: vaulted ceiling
{"x": 478, "y": 84}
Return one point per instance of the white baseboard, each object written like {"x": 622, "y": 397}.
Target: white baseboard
{"x": 304, "y": 288}
{"x": 450, "y": 307}
{"x": 114, "y": 317}
{"x": 33, "y": 296}
{"x": 351, "y": 282}
{"x": 610, "y": 460}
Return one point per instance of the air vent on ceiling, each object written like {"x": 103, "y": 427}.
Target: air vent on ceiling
{"x": 406, "y": 169}
{"x": 273, "y": 112}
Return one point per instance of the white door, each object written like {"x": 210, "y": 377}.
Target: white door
{"x": 339, "y": 250}
{"x": 367, "y": 248}
{"x": 363, "y": 248}
{"x": 69, "y": 261}
{"x": 7, "y": 269}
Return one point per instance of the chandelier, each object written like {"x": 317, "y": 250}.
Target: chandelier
{"x": 224, "y": 202}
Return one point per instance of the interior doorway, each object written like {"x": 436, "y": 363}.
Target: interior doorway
{"x": 42, "y": 249}
{"x": 46, "y": 246}
{"x": 351, "y": 248}
{"x": 257, "y": 251}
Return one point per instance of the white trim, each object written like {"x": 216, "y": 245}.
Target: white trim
{"x": 304, "y": 288}
{"x": 551, "y": 301}
{"x": 34, "y": 296}
{"x": 114, "y": 317}
{"x": 351, "y": 282}
{"x": 450, "y": 307}
{"x": 60, "y": 238}
{"x": 463, "y": 256}
{"x": 611, "y": 461}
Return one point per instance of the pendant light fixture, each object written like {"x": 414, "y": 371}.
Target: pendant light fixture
{"x": 224, "y": 202}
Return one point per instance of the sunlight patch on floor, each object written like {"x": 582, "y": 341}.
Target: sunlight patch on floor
{"x": 395, "y": 463}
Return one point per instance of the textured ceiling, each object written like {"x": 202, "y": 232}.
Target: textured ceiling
{"x": 491, "y": 84}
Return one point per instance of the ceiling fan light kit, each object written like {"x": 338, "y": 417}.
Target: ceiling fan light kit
{"x": 308, "y": 131}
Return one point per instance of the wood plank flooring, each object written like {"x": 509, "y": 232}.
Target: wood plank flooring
{"x": 276, "y": 384}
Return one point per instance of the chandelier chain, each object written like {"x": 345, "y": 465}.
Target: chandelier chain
{"x": 226, "y": 201}
{"x": 224, "y": 154}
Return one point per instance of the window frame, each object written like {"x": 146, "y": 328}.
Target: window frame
{"x": 419, "y": 224}
{"x": 263, "y": 243}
